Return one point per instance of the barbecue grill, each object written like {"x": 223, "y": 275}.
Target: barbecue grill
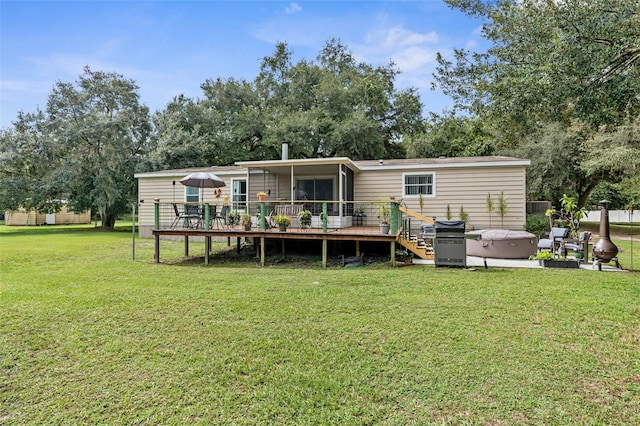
{"x": 450, "y": 244}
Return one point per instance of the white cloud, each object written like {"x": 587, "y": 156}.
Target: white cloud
{"x": 398, "y": 37}
{"x": 293, "y": 8}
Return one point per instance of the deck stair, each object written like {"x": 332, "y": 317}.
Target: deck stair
{"x": 413, "y": 242}
{"x": 417, "y": 246}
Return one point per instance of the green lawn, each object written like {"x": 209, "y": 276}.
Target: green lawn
{"x": 90, "y": 337}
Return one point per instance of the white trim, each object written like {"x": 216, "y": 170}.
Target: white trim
{"x": 298, "y": 162}
{"x": 429, "y": 166}
{"x": 433, "y": 185}
{"x": 243, "y": 166}
{"x": 165, "y": 174}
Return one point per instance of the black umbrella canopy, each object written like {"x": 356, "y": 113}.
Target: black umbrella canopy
{"x": 202, "y": 180}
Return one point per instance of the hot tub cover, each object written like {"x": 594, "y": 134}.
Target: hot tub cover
{"x": 498, "y": 234}
{"x": 501, "y": 244}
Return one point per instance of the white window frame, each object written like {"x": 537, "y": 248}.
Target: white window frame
{"x": 237, "y": 204}
{"x": 433, "y": 185}
{"x": 190, "y": 192}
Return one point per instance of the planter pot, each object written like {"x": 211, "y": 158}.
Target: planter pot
{"x": 565, "y": 264}
{"x": 262, "y": 197}
{"x": 384, "y": 229}
{"x": 247, "y": 227}
{"x": 283, "y": 228}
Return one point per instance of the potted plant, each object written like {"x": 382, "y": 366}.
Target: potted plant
{"x": 246, "y": 221}
{"x": 569, "y": 215}
{"x": 304, "y": 219}
{"x": 233, "y": 218}
{"x": 383, "y": 214}
{"x": 359, "y": 216}
{"x": 283, "y": 221}
{"x": 548, "y": 260}
{"x": 262, "y": 195}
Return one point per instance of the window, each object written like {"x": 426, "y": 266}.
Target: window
{"x": 415, "y": 185}
{"x": 192, "y": 194}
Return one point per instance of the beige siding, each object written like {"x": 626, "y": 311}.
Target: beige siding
{"x": 164, "y": 189}
{"x": 456, "y": 187}
{"x": 466, "y": 185}
{"x": 23, "y": 218}
{"x": 63, "y": 217}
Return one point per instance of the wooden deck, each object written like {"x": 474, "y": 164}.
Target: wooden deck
{"x": 353, "y": 233}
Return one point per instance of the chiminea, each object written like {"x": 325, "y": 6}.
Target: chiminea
{"x": 604, "y": 250}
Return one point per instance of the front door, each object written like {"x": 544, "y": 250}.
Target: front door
{"x": 239, "y": 190}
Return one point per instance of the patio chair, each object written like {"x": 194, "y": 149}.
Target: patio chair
{"x": 553, "y": 243}
{"x": 212, "y": 214}
{"x": 220, "y": 218}
{"x": 187, "y": 216}
{"x": 581, "y": 245}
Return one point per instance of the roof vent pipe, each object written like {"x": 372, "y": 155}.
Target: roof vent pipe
{"x": 285, "y": 151}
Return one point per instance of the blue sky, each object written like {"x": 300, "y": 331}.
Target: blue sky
{"x": 171, "y": 47}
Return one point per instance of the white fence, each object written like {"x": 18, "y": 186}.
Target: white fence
{"x": 615, "y": 216}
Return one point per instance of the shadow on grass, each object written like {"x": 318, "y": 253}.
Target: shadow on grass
{"x": 229, "y": 256}
{"x": 13, "y": 231}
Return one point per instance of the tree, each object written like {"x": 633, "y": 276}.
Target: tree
{"x": 27, "y": 161}
{"x": 574, "y": 63}
{"x": 451, "y": 135}
{"x": 99, "y": 132}
{"x": 560, "y": 60}
{"x": 333, "y": 106}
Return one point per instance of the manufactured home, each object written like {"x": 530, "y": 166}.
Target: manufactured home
{"x": 350, "y": 191}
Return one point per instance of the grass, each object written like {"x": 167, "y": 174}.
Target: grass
{"x": 88, "y": 336}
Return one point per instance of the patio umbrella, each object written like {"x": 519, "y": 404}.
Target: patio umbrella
{"x": 202, "y": 180}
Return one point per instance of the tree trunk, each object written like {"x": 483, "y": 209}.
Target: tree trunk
{"x": 109, "y": 221}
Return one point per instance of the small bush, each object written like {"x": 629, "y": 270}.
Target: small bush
{"x": 537, "y": 224}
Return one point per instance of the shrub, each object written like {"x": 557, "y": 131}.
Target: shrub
{"x": 537, "y": 224}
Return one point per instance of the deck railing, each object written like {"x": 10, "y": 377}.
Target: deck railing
{"x": 325, "y": 214}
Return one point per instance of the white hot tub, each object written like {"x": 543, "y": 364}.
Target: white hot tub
{"x": 501, "y": 244}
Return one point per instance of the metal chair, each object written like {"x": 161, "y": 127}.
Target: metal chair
{"x": 220, "y": 219}
{"x": 187, "y": 217}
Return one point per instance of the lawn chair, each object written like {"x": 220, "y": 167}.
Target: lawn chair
{"x": 554, "y": 242}
{"x": 581, "y": 245}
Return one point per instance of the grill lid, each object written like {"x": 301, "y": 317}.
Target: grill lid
{"x": 449, "y": 226}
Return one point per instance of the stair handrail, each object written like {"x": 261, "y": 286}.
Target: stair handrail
{"x": 410, "y": 212}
